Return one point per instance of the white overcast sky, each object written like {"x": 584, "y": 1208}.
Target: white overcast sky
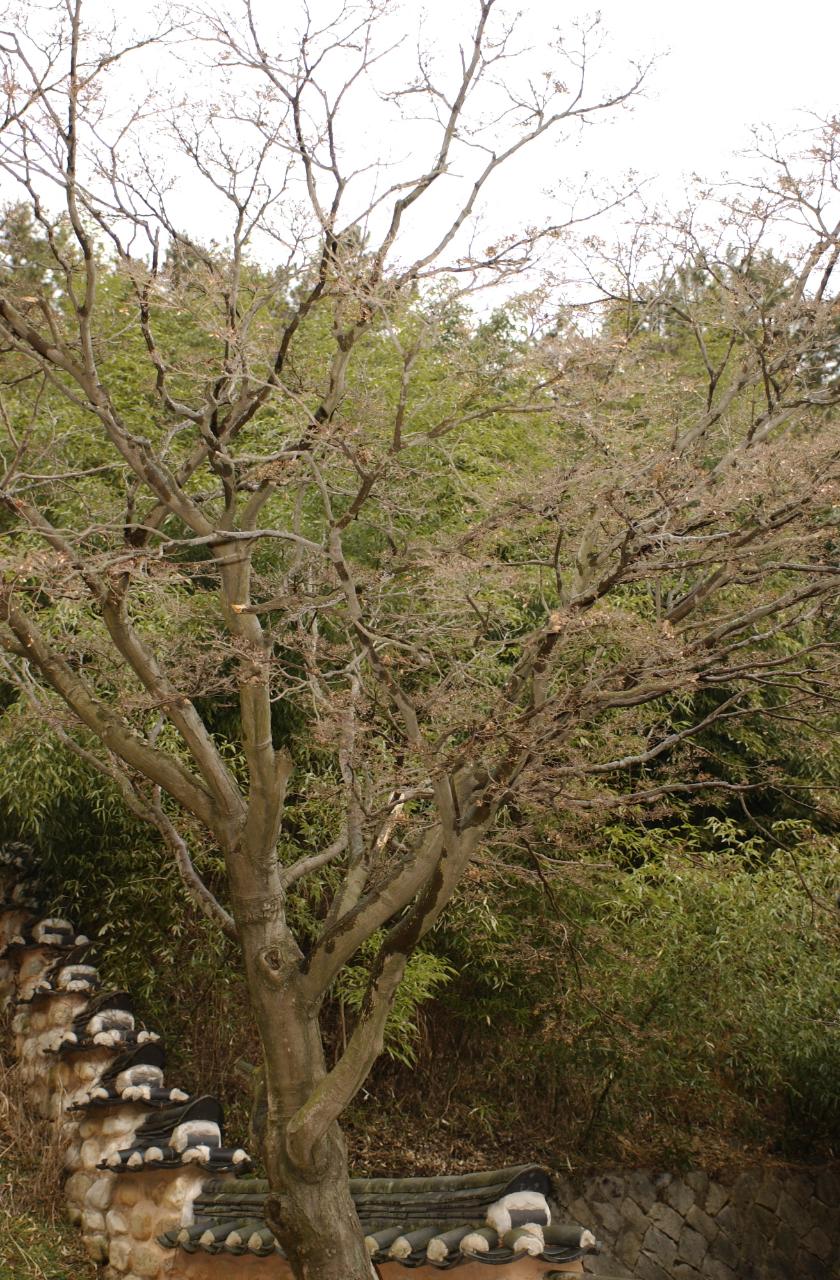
{"x": 723, "y": 67}
{"x": 726, "y": 66}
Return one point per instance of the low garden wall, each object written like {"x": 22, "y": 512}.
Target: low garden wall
{"x": 767, "y": 1224}
{"x": 771, "y": 1224}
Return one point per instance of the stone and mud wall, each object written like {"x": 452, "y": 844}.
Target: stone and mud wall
{"x": 772, "y": 1224}
{"x": 119, "y": 1215}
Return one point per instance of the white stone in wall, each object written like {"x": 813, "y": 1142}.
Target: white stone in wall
{"x": 120, "y": 1254}
{"x": 76, "y": 1186}
{"x": 91, "y": 1153}
{"x": 147, "y": 1260}
{"x": 180, "y": 1192}
{"x": 92, "y": 1222}
{"x": 126, "y": 1121}
{"x": 100, "y": 1192}
{"x": 73, "y": 1156}
{"x": 116, "y": 1222}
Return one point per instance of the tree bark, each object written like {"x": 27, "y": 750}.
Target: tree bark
{"x": 310, "y": 1209}
{"x": 313, "y": 1216}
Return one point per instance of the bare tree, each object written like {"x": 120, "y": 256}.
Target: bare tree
{"x": 250, "y": 517}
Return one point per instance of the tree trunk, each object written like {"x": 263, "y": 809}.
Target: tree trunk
{"x": 314, "y": 1217}
{"x": 309, "y": 1209}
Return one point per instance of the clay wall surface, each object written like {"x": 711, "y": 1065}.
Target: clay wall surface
{"x": 202, "y": 1266}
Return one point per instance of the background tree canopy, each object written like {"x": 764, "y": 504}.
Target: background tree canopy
{"x": 352, "y": 600}
{"x": 662, "y": 979}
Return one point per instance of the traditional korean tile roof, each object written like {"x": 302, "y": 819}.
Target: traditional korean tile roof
{"x": 134, "y": 1079}
{"x": 189, "y": 1134}
{"x": 16, "y": 860}
{"x": 440, "y": 1222}
{"x": 106, "y": 1022}
{"x": 17, "y": 877}
{"x": 62, "y": 978}
{"x": 47, "y": 960}
{"x": 21, "y": 895}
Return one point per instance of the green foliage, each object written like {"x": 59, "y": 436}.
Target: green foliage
{"x": 736, "y": 960}
{"x": 682, "y": 982}
{"x": 667, "y": 975}
{"x": 425, "y": 974}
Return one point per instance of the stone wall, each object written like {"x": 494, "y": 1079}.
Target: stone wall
{"x": 773, "y": 1224}
{"x": 770, "y": 1224}
{"x": 119, "y": 1217}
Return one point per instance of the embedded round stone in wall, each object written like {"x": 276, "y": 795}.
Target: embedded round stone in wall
{"x": 100, "y": 1192}
{"x": 116, "y": 1222}
{"x": 97, "y": 1248}
{"x": 77, "y": 1185}
{"x": 174, "y": 1191}
{"x": 120, "y": 1254}
{"x": 93, "y": 1222}
{"x": 147, "y": 1259}
{"x": 125, "y": 1122}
